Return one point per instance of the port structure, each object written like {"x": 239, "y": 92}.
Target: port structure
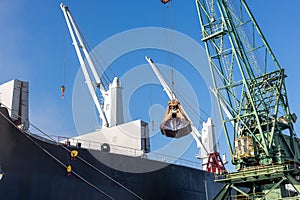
{"x": 249, "y": 85}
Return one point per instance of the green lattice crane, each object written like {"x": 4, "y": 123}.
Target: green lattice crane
{"x": 250, "y": 86}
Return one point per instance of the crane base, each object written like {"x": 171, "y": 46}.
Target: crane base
{"x": 263, "y": 182}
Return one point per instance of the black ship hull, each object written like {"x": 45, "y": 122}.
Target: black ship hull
{"x": 35, "y": 169}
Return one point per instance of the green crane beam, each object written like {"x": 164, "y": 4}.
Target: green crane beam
{"x": 249, "y": 81}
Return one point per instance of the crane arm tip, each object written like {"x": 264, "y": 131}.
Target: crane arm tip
{"x": 149, "y": 59}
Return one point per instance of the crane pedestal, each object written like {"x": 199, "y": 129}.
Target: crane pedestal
{"x": 261, "y": 182}
{"x": 215, "y": 163}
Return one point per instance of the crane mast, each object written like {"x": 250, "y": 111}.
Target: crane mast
{"x": 250, "y": 84}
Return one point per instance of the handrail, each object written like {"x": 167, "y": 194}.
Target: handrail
{"x": 125, "y": 151}
{"x": 173, "y": 160}
{"x": 273, "y": 167}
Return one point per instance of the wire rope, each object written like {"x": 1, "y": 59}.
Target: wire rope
{"x": 56, "y": 159}
{"x": 80, "y": 158}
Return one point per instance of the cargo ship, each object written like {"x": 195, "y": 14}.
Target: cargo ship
{"x": 41, "y": 167}
{"x": 114, "y": 162}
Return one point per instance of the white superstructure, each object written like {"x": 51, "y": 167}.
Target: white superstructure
{"x": 130, "y": 138}
{"x": 114, "y": 132}
{"x": 14, "y": 96}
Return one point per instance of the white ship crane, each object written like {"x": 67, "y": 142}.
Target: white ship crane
{"x": 211, "y": 160}
{"x": 115, "y": 136}
{"x": 113, "y": 113}
{"x": 195, "y": 133}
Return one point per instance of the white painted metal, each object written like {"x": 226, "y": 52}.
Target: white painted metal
{"x": 9, "y": 98}
{"x": 169, "y": 92}
{"x": 195, "y": 133}
{"x": 113, "y": 105}
{"x": 71, "y": 25}
{"x": 130, "y": 138}
{"x": 14, "y": 96}
{"x": 208, "y": 140}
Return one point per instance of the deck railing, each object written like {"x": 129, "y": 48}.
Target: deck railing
{"x": 125, "y": 151}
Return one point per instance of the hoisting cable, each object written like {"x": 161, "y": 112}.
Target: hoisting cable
{"x": 56, "y": 159}
{"x": 87, "y": 163}
{"x": 105, "y": 77}
{"x": 63, "y": 64}
{"x": 105, "y": 80}
{"x": 80, "y": 158}
{"x": 190, "y": 107}
{"x": 169, "y": 40}
{"x": 172, "y": 59}
{"x": 151, "y": 103}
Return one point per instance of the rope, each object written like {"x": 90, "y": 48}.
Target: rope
{"x": 105, "y": 79}
{"x": 80, "y": 158}
{"x": 87, "y": 163}
{"x": 172, "y": 59}
{"x": 56, "y": 159}
{"x": 63, "y": 52}
{"x": 169, "y": 39}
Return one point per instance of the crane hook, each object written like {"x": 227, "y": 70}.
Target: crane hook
{"x": 62, "y": 91}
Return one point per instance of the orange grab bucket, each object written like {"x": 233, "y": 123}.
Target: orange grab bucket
{"x": 175, "y": 123}
{"x": 165, "y": 1}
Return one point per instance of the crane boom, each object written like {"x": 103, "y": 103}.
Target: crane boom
{"x": 211, "y": 160}
{"x": 72, "y": 27}
{"x": 161, "y": 79}
{"x": 195, "y": 133}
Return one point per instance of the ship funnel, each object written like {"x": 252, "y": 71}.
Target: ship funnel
{"x": 175, "y": 123}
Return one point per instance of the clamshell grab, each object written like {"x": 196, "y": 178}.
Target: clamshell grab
{"x": 175, "y": 123}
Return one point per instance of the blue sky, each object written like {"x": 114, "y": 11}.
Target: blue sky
{"x": 36, "y": 47}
